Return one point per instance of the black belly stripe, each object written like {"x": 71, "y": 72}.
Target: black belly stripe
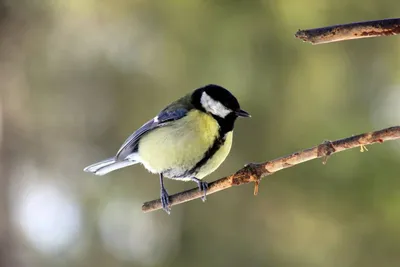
{"x": 225, "y": 126}
{"x": 218, "y": 142}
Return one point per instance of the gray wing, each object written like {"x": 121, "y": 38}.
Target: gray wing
{"x": 163, "y": 118}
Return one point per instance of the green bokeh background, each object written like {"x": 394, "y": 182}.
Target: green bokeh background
{"x": 78, "y": 76}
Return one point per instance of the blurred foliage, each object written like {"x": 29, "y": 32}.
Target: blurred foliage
{"x": 77, "y": 77}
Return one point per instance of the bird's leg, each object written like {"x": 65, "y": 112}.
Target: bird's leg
{"x": 203, "y": 186}
{"x": 164, "y": 196}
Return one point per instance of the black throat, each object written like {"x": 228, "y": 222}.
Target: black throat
{"x": 225, "y": 124}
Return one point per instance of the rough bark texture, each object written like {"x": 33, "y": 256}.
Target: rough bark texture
{"x": 357, "y": 30}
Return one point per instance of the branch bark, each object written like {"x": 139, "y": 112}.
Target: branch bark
{"x": 253, "y": 172}
{"x": 357, "y": 30}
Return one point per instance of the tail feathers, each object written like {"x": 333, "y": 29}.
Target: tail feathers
{"x": 108, "y": 165}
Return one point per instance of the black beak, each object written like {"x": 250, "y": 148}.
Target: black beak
{"x": 242, "y": 113}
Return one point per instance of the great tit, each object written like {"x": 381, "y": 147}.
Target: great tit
{"x": 186, "y": 141}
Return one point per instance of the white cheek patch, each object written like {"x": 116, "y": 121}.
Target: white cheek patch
{"x": 214, "y": 107}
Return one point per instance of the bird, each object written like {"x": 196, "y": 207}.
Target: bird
{"x": 186, "y": 141}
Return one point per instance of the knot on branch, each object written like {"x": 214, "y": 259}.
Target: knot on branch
{"x": 250, "y": 173}
{"x": 325, "y": 150}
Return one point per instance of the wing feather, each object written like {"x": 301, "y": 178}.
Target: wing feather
{"x": 162, "y": 119}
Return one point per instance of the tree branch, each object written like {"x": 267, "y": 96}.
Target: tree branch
{"x": 253, "y": 172}
{"x": 357, "y": 30}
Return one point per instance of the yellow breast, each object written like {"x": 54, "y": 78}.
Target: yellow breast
{"x": 179, "y": 146}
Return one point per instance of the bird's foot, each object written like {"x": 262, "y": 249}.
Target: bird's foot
{"x": 165, "y": 200}
{"x": 203, "y": 186}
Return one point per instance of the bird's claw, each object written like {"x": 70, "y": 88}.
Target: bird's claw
{"x": 165, "y": 201}
{"x": 203, "y": 187}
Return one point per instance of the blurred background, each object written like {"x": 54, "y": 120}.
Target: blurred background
{"x": 79, "y": 76}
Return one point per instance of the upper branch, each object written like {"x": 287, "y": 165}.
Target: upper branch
{"x": 255, "y": 171}
{"x": 365, "y": 29}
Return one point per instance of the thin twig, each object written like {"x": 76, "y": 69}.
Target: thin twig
{"x": 255, "y": 171}
{"x": 357, "y": 30}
